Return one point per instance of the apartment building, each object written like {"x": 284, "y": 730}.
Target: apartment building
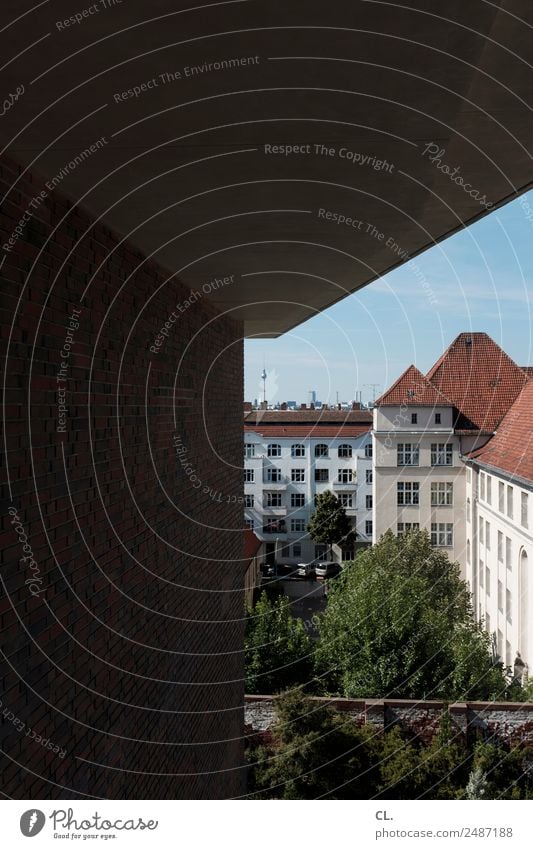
{"x": 290, "y": 456}
{"x": 450, "y": 455}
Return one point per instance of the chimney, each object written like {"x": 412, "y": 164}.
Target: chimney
{"x": 283, "y": 405}
{"x": 311, "y": 406}
{"x": 339, "y": 407}
{"x": 303, "y": 406}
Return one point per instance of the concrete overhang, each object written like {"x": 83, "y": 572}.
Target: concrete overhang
{"x": 183, "y": 171}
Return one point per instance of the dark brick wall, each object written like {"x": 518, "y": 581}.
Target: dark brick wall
{"x": 125, "y": 651}
{"x": 510, "y": 723}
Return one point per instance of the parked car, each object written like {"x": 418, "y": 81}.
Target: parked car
{"x": 306, "y": 570}
{"x": 327, "y": 569}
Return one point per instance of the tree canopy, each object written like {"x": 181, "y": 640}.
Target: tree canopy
{"x": 399, "y": 624}
{"x": 329, "y": 523}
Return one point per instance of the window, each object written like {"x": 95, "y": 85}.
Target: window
{"x": 441, "y": 454}
{"x": 508, "y": 606}
{"x": 368, "y": 502}
{"x": 468, "y": 513}
{"x": 481, "y": 530}
{"x": 500, "y": 546}
{"x": 442, "y": 494}
{"x": 273, "y": 475}
{"x": 500, "y": 596}
{"x": 248, "y": 476}
{"x": 345, "y": 475}
{"x": 368, "y": 527}
{"x": 368, "y": 449}
{"x": 321, "y": 450}
{"x": 321, "y": 551}
{"x": 482, "y": 486}
{"x": 297, "y": 550}
{"x": 346, "y": 499}
{"x": 408, "y": 454}
{"x": 403, "y": 528}
{"x": 272, "y": 499}
{"x": 510, "y": 502}
{"x": 274, "y": 450}
{"x": 248, "y": 501}
{"x": 297, "y": 499}
{"x": 468, "y": 551}
{"x": 437, "y": 418}
{"x": 523, "y": 509}
{"x": 345, "y": 450}
{"x": 442, "y": 534}
{"x": 298, "y": 475}
{"x": 414, "y": 418}
{"x": 507, "y": 653}
{"x": 489, "y": 489}
{"x": 487, "y": 623}
{"x": 298, "y": 450}
{"x": 272, "y": 525}
{"x": 249, "y": 524}
{"x": 487, "y": 580}
{"x": 368, "y": 476}
{"x": 508, "y": 552}
{"x": 249, "y": 449}
{"x": 348, "y": 554}
{"x": 286, "y": 551}
{"x": 407, "y": 493}
{"x": 297, "y": 525}
{"x": 468, "y": 474}
{"x": 501, "y": 497}
{"x": 321, "y": 475}
{"x": 487, "y": 534}
{"x": 481, "y": 574}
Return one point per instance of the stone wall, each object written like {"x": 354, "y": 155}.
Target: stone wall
{"x": 509, "y": 723}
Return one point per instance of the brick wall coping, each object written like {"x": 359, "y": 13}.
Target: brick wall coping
{"x": 363, "y": 704}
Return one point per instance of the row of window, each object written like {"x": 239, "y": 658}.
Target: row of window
{"x": 274, "y": 525}
{"x": 408, "y": 493}
{"x": 408, "y": 454}
{"x": 414, "y": 418}
{"x": 274, "y": 475}
{"x": 485, "y": 584}
{"x": 505, "y": 498}
{"x": 505, "y": 544}
{"x": 441, "y": 532}
{"x": 275, "y": 499}
{"x": 298, "y": 450}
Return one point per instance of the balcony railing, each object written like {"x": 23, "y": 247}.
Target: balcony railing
{"x": 275, "y": 527}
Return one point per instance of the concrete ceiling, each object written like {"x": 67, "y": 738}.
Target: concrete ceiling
{"x": 183, "y": 171}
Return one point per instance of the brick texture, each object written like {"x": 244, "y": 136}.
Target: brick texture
{"x": 127, "y": 654}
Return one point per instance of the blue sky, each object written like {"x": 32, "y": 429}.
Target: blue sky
{"x": 480, "y": 279}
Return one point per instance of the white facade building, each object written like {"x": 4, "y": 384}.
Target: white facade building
{"x": 292, "y": 456}
{"x": 451, "y": 455}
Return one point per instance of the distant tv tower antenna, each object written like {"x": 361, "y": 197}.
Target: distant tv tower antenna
{"x": 264, "y": 378}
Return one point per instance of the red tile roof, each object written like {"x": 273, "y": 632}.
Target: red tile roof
{"x": 251, "y": 544}
{"x": 413, "y": 388}
{"x": 290, "y": 417}
{"x": 511, "y": 449}
{"x": 480, "y": 379}
{"x": 314, "y": 431}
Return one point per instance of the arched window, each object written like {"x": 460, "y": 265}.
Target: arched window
{"x": 298, "y": 449}
{"x": 321, "y": 450}
{"x": 274, "y": 450}
{"x": 345, "y": 450}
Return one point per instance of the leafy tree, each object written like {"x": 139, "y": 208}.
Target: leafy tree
{"x": 329, "y": 523}
{"x": 399, "y": 624}
{"x": 277, "y": 650}
{"x": 318, "y": 753}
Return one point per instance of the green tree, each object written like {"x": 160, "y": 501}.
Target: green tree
{"x": 399, "y": 623}
{"x": 476, "y": 788}
{"x": 329, "y": 523}
{"x": 277, "y": 650}
{"x": 318, "y": 752}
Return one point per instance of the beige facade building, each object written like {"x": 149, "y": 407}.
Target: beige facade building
{"x": 451, "y": 453}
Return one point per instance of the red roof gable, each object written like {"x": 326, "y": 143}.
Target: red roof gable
{"x": 412, "y": 388}
{"x": 480, "y": 379}
{"x": 511, "y": 449}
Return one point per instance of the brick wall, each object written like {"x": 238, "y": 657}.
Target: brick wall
{"x": 509, "y": 723}
{"x": 122, "y": 630}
